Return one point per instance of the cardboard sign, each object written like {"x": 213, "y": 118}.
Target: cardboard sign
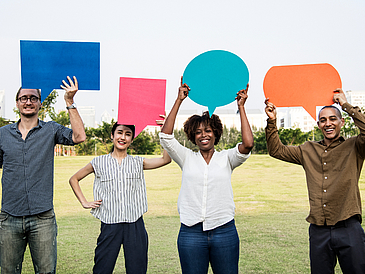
{"x": 44, "y": 64}
{"x": 302, "y": 85}
{"x": 215, "y": 77}
{"x": 141, "y": 102}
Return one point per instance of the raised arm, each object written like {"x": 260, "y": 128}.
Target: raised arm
{"x": 275, "y": 147}
{"x": 247, "y": 138}
{"x": 78, "y": 130}
{"x": 270, "y": 109}
{"x": 75, "y": 185}
{"x": 157, "y": 162}
{"x": 168, "y": 126}
{"x": 357, "y": 116}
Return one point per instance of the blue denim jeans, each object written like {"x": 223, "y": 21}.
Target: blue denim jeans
{"x": 198, "y": 248}
{"x": 39, "y": 231}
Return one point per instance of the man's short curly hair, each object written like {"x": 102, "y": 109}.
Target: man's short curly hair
{"x": 193, "y": 122}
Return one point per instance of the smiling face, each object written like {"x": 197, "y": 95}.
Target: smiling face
{"x": 204, "y": 137}
{"x": 330, "y": 123}
{"x": 28, "y": 109}
{"x": 122, "y": 137}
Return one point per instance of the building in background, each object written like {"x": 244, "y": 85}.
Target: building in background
{"x": 295, "y": 117}
{"x": 356, "y": 98}
{"x": 87, "y": 114}
{"x": 229, "y": 117}
{"x": 106, "y": 117}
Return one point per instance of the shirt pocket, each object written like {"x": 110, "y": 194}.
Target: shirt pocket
{"x": 340, "y": 158}
{"x": 107, "y": 181}
{"x": 134, "y": 180}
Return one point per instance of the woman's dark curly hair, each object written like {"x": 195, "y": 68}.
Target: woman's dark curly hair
{"x": 193, "y": 122}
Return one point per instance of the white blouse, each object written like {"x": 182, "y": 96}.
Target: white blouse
{"x": 206, "y": 192}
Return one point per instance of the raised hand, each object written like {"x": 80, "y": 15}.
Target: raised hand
{"x": 270, "y": 109}
{"x": 70, "y": 89}
{"x": 183, "y": 90}
{"x": 242, "y": 96}
{"x": 339, "y": 97}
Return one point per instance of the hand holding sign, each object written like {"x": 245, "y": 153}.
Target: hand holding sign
{"x": 215, "y": 77}
{"x": 302, "y": 85}
{"x": 45, "y": 63}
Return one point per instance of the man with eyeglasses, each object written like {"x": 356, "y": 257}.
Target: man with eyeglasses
{"x": 27, "y": 159}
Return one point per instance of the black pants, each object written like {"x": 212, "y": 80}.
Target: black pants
{"x": 133, "y": 237}
{"x": 345, "y": 241}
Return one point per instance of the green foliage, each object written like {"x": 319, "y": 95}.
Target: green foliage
{"x": 142, "y": 144}
{"x": 349, "y": 129}
{"x": 315, "y": 135}
{"x": 103, "y": 135}
{"x": 89, "y": 146}
{"x": 4, "y": 122}
{"x": 229, "y": 139}
{"x": 62, "y": 118}
{"x": 292, "y": 137}
{"x": 47, "y": 105}
{"x": 181, "y": 137}
{"x": 259, "y": 141}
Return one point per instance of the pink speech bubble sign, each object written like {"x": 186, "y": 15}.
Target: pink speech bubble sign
{"x": 302, "y": 85}
{"x": 141, "y": 102}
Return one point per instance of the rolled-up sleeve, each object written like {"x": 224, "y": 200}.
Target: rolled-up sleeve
{"x": 176, "y": 151}
{"x": 236, "y": 158}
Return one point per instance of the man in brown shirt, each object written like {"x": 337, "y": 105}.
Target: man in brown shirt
{"x": 332, "y": 167}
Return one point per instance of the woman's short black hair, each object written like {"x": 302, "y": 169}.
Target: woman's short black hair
{"x": 193, "y": 122}
{"x": 131, "y": 127}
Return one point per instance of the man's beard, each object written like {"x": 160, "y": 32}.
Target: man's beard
{"x": 29, "y": 115}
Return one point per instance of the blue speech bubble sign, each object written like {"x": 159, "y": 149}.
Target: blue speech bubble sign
{"x": 44, "y": 64}
{"x": 215, "y": 77}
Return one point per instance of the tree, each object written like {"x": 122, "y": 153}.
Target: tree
{"x": 47, "y": 105}
{"x": 181, "y": 137}
{"x": 142, "y": 144}
{"x": 103, "y": 135}
{"x": 229, "y": 139}
{"x": 259, "y": 137}
{"x": 292, "y": 137}
{"x": 62, "y": 118}
{"x": 315, "y": 134}
{"x": 89, "y": 146}
{"x": 4, "y": 122}
{"x": 349, "y": 129}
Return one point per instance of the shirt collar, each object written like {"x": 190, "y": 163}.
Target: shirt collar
{"x": 335, "y": 143}
{"x": 15, "y": 126}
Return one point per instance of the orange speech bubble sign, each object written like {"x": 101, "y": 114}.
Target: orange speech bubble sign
{"x": 302, "y": 85}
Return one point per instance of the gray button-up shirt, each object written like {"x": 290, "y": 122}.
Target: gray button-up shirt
{"x": 27, "y": 179}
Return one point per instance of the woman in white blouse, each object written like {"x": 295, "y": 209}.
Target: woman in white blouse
{"x": 208, "y": 233}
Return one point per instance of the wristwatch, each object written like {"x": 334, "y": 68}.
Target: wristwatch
{"x": 71, "y": 106}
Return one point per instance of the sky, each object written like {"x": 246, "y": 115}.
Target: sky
{"x": 157, "y": 39}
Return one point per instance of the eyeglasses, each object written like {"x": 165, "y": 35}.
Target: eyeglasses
{"x": 24, "y": 99}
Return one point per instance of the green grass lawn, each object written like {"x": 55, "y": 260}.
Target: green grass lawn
{"x": 271, "y": 206}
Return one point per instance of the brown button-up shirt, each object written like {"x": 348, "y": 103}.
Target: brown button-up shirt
{"x": 332, "y": 172}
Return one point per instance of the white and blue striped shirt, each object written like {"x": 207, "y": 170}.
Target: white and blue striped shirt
{"x": 122, "y": 189}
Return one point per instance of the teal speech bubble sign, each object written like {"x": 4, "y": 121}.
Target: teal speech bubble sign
{"x": 215, "y": 77}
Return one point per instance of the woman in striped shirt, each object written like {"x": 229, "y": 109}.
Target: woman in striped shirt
{"x": 120, "y": 202}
